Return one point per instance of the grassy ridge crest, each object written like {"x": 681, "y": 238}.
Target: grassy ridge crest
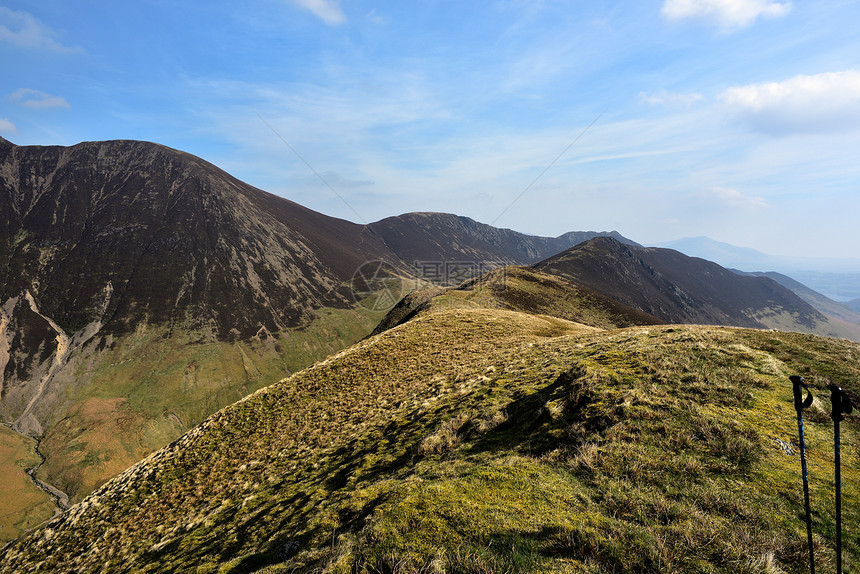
{"x": 489, "y": 440}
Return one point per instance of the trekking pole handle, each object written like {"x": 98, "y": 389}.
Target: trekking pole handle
{"x": 841, "y": 403}
{"x": 800, "y": 403}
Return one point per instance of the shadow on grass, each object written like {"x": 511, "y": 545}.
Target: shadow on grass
{"x": 533, "y": 429}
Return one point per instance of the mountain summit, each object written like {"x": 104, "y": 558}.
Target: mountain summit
{"x": 175, "y": 238}
{"x": 447, "y": 237}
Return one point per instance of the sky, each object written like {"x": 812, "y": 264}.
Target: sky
{"x": 734, "y": 119}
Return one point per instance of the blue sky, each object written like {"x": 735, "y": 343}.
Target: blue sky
{"x": 735, "y": 119}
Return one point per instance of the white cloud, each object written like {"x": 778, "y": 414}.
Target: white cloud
{"x": 375, "y": 18}
{"x": 664, "y": 98}
{"x": 822, "y": 103}
{"x": 36, "y": 99}
{"x": 7, "y": 127}
{"x": 23, "y": 30}
{"x": 726, "y": 14}
{"x": 329, "y": 11}
{"x": 731, "y": 198}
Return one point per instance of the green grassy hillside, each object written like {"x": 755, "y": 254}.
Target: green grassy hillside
{"x": 152, "y": 386}
{"x": 487, "y": 440}
{"x": 22, "y": 505}
{"x": 132, "y": 394}
{"x": 521, "y": 289}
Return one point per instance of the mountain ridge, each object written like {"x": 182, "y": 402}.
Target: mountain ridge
{"x": 430, "y": 236}
{"x": 144, "y": 289}
{"x": 522, "y": 289}
{"x": 681, "y": 289}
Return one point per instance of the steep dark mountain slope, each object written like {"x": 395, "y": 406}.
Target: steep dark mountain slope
{"x": 176, "y": 238}
{"x": 681, "y": 289}
{"x": 429, "y": 237}
{"x": 129, "y": 270}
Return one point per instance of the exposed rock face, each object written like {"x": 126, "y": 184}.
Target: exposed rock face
{"x": 66, "y": 346}
{"x": 681, "y": 289}
{"x": 28, "y": 345}
{"x": 179, "y": 240}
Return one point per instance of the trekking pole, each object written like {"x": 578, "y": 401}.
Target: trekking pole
{"x": 801, "y": 403}
{"x": 841, "y": 404}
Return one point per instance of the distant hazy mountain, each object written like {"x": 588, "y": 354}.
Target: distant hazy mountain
{"x": 838, "y": 279}
{"x": 725, "y": 254}
{"x": 853, "y": 304}
{"x": 837, "y": 286}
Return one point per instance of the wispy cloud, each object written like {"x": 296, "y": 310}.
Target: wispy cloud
{"x": 461, "y": 106}
{"x": 7, "y": 127}
{"x": 728, "y": 15}
{"x": 36, "y": 99}
{"x": 669, "y": 100}
{"x": 822, "y": 103}
{"x": 329, "y": 11}
{"x": 22, "y": 29}
{"x": 375, "y": 18}
{"x": 731, "y": 198}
